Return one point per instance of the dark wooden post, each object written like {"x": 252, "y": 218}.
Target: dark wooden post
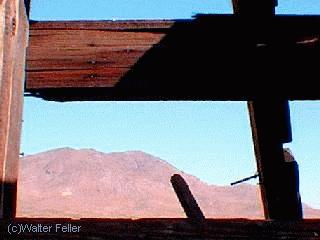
{"x": 260, "y": 8}
{"x": 27, "y": 4}
{"x": 279, "y": 179}
{"x": 188, "y": 202}
{"x": 270, "y": 123}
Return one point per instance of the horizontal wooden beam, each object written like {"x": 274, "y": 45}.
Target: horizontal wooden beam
{"x": 164, "y": 229}
{"x": 101, "y": 60}
{"x": 87, "y": 54}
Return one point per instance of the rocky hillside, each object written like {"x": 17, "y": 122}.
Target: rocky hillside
{"x": 86, "y": 183}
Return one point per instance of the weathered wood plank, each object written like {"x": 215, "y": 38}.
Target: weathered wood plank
{"x": 271, "y": 127}
{"x": 98, "y": 60}
{"x": 119, "y": 25}
{"x": 279, "y": 180}
{"x": 168, "y": 229}
{"x": 13, "y": 43}
{"x": 186, "y": 199}
{"x": 87, "y": 55}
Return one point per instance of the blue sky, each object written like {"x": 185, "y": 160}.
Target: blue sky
{"x": 149, "y": 9}
{"x": 211, "y": 140}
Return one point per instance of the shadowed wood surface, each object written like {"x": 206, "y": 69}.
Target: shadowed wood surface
{"x": 27, "y": 4}
{"x": 271, "y": 128}
{"x": 279, "y": 180}
{"x": 101, "y": 60}
{"x": 88, "y": 54}
{"x": 168, "y": 229}
{"x": 187, "y": 200}
{"x": 13, "y": 42}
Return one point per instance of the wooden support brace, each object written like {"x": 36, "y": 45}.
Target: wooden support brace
{"x": 270, "y": 124}
{"x": 13, "y": 40}
{"x": 279, "y": 178}
{"x": 188, "y": 202}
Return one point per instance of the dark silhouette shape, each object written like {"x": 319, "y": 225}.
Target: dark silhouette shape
{"x": 188, "y": 202}
{"x": 27, "y": 3}
{"x": 279, "y": 179}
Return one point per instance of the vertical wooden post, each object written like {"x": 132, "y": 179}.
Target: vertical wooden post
{"x": 279, "y": 179}
{"x": 27, "y": 4}
{"x": 270, "y": 124}
{"x": 261, "y": 8}
{"x": 13, "y": 42}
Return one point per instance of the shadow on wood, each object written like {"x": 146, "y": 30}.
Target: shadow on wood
{"x": 14, "y": 31}
{"x": 187, "y": 200}
{"x": 279, "y": 179}
{"x": 8, "y": 195}
{"x": 212, "y": 57}
{"x": 152, "y": 229}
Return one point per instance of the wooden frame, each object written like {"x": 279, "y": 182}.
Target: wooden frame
{"x": 13, "y": 41}
{"x": 144, "y": 50}
{"x": 151, "y": 60}
{"x": 172, "y": 229}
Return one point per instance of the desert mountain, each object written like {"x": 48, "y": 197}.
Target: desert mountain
{"x": 86, "y": 183}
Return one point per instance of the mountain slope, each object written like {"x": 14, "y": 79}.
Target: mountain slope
{"x": 86, "y": 183}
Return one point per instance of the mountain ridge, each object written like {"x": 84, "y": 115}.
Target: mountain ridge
{"x": 66, "y": 182}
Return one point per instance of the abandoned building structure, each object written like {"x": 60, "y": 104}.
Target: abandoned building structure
{"x": 253, "y": 55}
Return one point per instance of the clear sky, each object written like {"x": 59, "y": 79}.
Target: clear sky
{"x": 211, "y": 140}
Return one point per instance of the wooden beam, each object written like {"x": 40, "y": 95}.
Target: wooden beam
{"x": 279, "y": 179}
{"x": 103, "y": 60}
{"x": 254, "y": 8}
{"x": 88, "y": 54}
{"x": 152, "y": 229}
{"x": 186, "y": 199}
{"x": 271, "y": 127}
{"x": 13, "y": 41}
{"x": 27, "y": 4}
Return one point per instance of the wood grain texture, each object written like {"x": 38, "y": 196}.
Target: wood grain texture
{"x": 87, "y": 54}
{"x": 171, "y": 229}
{"x": 101, "y": 60}
{"x": 14, "y": 42}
